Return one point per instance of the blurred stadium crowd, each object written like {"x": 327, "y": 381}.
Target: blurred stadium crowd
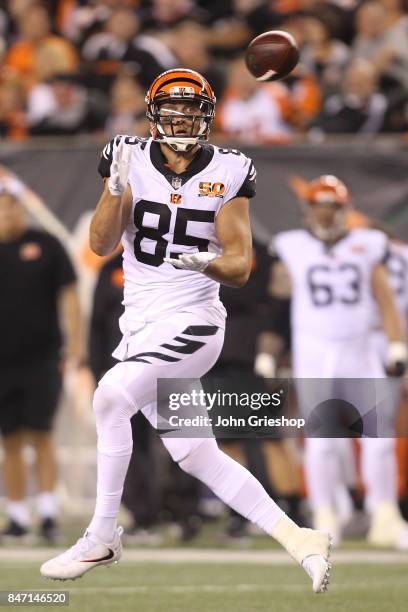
{"x": 72, "y": 67}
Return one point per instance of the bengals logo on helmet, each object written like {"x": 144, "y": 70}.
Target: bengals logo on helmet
{"x": 180, "y": 82}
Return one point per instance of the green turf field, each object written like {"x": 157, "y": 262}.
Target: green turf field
{"x": 219, "y": 587}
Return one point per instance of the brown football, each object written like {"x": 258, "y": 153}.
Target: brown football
{"x": 272, "y": 55}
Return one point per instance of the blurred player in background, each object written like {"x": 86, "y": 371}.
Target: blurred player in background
{"x": 336, "y": 274}
{"x": 38, "y": 291}
{"x": 384, "y": 530}
{"x": 181, "y": 208}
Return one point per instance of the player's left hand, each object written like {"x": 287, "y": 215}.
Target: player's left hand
{"x": 397, "y": 358}
{"x": 197, "y": 262}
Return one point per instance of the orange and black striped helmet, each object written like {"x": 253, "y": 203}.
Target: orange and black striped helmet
{"x": 328, "y": 189}
{"x": 180, "y": 85}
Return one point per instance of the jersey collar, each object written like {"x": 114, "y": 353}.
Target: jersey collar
{"x": 328, "y": 246}
{"x": 201, "y": 160}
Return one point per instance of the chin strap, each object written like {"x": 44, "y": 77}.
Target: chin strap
{"x": 326, "y": 234}
{"x": 184, "y": 144}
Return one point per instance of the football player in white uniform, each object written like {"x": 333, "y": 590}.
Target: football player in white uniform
{"x": 335, "y": 275}
{"x": 180, "y": 207}
{"x": 388, "y": 528}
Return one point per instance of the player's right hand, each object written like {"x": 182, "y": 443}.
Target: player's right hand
{"x": 397, "y": 358}
{"x": 119, "y": 170}
{"x": 265, "y": 365}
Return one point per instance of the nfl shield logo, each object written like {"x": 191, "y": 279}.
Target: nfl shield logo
{"x": 176, "y": 183}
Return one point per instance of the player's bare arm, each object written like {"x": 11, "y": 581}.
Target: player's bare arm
{"x": 270, "y": 345}
{"x": 109, "y": 220}
{"x": 233, "y": 231}
{"x": 391, "y": 320}
{"x": 384, "y": 297}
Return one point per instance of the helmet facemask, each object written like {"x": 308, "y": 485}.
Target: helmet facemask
{"x": 330, "y": 232}
{"x": 326, "y": 204}
{"x": 181, "y": 130}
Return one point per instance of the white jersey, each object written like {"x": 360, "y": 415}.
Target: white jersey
{"x": 331, "y": 295}
{"x": 174, "y": 214}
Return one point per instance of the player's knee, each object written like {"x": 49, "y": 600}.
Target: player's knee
{"x": 181, "y": 448}
{"x": 377, "y": 447}
{"x": 320, "y": 446}
{"x": 109, "y": 406}
{"x": 101, "y": 404}
{"x": 199, "y": 457}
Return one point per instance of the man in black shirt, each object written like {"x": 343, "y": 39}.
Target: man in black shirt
{"x": 37, "y": 282}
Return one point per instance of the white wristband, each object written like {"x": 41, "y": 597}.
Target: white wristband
{"x": 265, "y": 365}
{"x": 114, "y": 188}
{"x": 397, "y": 353}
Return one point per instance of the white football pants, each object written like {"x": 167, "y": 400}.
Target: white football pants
{"x": 318, "y": 364}
{"x": 182, "y": 346}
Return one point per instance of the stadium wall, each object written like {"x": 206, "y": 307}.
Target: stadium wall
{"x": 63, "y": 173}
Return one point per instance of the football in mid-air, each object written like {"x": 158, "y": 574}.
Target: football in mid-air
{"x": 272, "y": 55}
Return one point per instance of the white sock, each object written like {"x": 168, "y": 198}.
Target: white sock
{"x": 233, "y": 484}
{"x": 19, "y": 512}
{"x": 379, "y": 471}
{"x": 322, "y": 472}
{"x": 114, "y": 451}
{"x": 253, "y": 502}
{"x": 47, "y": 506}
{"x": 343, "y": 504}
{"x": 111, "y": 472}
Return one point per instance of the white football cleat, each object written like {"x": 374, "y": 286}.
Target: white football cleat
{"x": 388, "y": 529}
{"x": 309, "y": 547}
{"x": 87, "y": 553}
{"x": 318, "y": 569}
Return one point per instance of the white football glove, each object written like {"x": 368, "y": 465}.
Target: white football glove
{"x": 196, "y": 262}
{"x": 265, "y": 365}
{"x": 119, "y": 169}
{"x": 397, "y": 358}
{"x": 12, "y": 185}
